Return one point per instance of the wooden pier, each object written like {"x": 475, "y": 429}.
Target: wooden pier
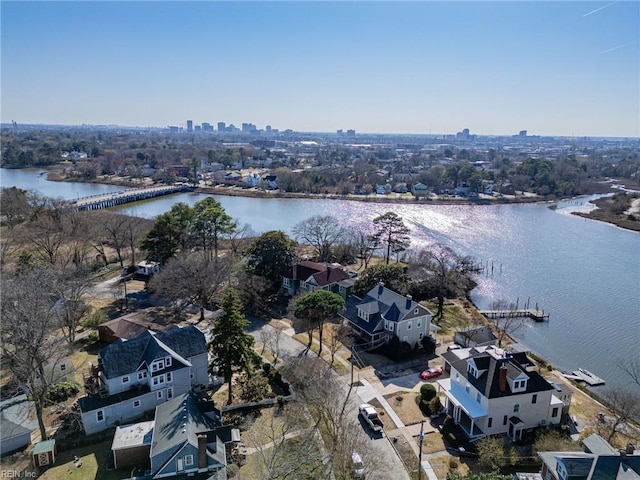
{"x": 537, "y": 315}
{"x": 106, "y": 200}
{"x": 582, "y": 375}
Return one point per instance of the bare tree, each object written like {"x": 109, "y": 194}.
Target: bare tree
{"x": 270, "y": 340}
{"x": 322, "y": 232}
{"x": 364, "y": 242}
{"x": 117, "y": 232}
{"x": 447, "y": 271}
{"x": 631, "y": 366}
{"x": 239, "y": 238}
{"x": 625, "y": 409}
{"x": 29, "y": 345}
{"x": 193, "y": 277}
{"x": 505, "y": 326}
{"x": 287, "y": 447}
{"x": 72, "y": 288}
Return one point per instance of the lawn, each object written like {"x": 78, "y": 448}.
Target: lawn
{"x": 406, "y": 407}
{"x": 94, "y": 464}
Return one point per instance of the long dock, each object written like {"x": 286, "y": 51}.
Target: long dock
{"x": 106, "y": 200}
{"x": 537, "y": 315}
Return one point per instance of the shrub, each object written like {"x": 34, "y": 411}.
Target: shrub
{"x": 427, "y": 392}
{"x": 435, "y": 405}
{"x": 63, "y": 390}
{"x": 266, "y": 367}
{"x": 95, "y": 318}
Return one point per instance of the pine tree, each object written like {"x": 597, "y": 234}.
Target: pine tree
{"x": 230, "y": 345}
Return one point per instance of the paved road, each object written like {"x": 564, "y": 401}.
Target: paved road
{"x": 393, "y": 469}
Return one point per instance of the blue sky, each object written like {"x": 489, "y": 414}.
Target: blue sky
{"x": 552, "y": 68}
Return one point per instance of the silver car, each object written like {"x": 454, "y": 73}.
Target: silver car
{"x": 358, "y": 466}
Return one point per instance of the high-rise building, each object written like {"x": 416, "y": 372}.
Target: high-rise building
{"x": 189, "y": 125}
{"x": 207, "y": 127}
{"x": 221, "y": 126}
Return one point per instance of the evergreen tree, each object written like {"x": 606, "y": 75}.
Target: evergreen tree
{"x": 392, "y": 232}
{"x": 315, "y": 308}
{"x": 230, "y": 345}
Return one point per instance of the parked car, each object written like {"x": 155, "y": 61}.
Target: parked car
{"x": 430, "y": 373}
{"x": 453, "y": 347}
{"x": 369, "y": 414}
{"x": 357, "y": 465}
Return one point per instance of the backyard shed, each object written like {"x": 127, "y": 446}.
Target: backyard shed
{"x": 44, "y": 453}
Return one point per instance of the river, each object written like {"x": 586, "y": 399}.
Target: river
{"x": 586, "y": 274}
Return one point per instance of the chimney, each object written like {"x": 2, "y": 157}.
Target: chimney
{"x": 409, "y": 299}
{"x": 380, "y": 288}
{"x": 502, "y": 379}
{"x": 202, "y": 451}
{"x": 630, "y": 450}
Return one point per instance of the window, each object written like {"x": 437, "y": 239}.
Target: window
{"x": 478, "y": 397}
{"x": 504, "y": 420}
{"x": 286, "y": 282}
{"x": 191, "y": 376}
{"x": 534, "y": 398}
{"x": 125, "y": 379}
{"x": 167, "y": 362}
{"x": 391, "y": 326}
{"x": 136, "y": 403}
{"x": 419, "y": 324}
{"x": 416, "y": 311}
{"x": 516, "y": 408}
{"x": 158, "y": 365}
{"x": 169, "y": 393}
{"x": 467, "y": 388}
{"x": 100, "y": 415}
{"x": 490, "y": 422}
{"x": 168, "y": 376}
{"x": 304, "y": 285}
{"x": 155, "y": 380}
{"x": 409, "y": 326}
{"x": 159, "y": 394}
{"x": 554, "y": 412}
{"x": 420, "y": 335}
{"x": 188, "y": 460}
{"x": 142, "y": 375}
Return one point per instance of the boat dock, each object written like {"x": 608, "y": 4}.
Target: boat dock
{"x": 537, "y": 315}
{"x": 582, "y": 375}
{"x": 106, "y": 200}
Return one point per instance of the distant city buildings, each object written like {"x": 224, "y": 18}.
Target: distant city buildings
{"x": 189, "y": 125}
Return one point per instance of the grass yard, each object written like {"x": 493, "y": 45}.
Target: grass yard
{"x": 442, "y": 465}
{"x": 406, "y": 407}
{"x": 94, "y": 464}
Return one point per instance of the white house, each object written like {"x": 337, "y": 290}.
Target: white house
{"x": 383, "y": 314}
{"x": 134, "y": 376}
{"x": 493, "y": 392}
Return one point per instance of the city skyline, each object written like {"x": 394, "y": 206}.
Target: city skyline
{"x": 551, "y": 68}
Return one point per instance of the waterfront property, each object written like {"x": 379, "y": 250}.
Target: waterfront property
{"x": 135, "y": 375}
{"x": 494, "y": 392}
{"x": 383, "y": 314}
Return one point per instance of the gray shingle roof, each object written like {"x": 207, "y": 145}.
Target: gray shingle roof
{"x": 125, "y": 356}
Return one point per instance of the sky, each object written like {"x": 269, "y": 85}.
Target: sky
{"x": 424, "y": 67}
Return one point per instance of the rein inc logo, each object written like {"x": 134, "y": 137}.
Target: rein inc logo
{"x": 17, "y": 474}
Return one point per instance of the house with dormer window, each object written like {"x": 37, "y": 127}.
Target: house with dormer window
{"x": 494, "y": 392}
{"x": 135, "y": 375}
{"x": 383, "y": 314}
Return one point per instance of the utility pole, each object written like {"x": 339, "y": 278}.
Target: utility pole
{"x": 420, "y": 450}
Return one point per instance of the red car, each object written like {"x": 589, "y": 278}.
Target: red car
{"x": 430, "y": 373}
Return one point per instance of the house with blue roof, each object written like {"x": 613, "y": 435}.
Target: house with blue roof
{"x": 185, "y": 439}
{"x": 135, "y": 375}
{"x": 383, "y": 314}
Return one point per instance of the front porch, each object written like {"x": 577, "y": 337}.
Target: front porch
{"x": 465, "y": 411}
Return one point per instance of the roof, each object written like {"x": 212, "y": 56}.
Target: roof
{"x": 131, "y": 325}
{"x": 17, "y": 417}
{"x": 43, "y": 447}
{"x": 589, "y": 466}
{"x": 179, "y": 421}
{"x": 89, "y": 403}
{"x": 594, "y": 443}
{"x": 133, "y": 435}
{"x": 319, "y": 273}
{"x": 380, "y": 303}
{"x": 488, "y": 381}
{"x": 125, "y": 356}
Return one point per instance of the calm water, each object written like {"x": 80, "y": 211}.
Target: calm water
{"x": 586, "y": 274}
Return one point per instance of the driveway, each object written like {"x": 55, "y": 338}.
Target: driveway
{"x": 381, "y": 445}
